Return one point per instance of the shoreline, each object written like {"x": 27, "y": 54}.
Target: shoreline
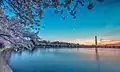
{"x": 4, "y": 67}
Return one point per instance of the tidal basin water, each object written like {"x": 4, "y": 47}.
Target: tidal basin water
{"x": 66, "y": 60}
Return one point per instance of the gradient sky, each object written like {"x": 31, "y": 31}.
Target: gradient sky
{"x": 103, "y": 20}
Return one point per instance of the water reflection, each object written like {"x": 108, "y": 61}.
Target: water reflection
{"x": 102, "y": 53}
{"x": 70, "y": 59}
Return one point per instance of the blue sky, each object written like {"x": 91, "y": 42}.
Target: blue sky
{"x": 103, "y": 20}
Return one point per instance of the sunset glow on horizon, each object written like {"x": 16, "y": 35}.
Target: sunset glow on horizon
{"x": 92, "y": 42}
{"x": 102, "y": 21}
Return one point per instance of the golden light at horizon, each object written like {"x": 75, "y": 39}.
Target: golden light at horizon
{"x": 88, "y": 42}
{"x": 92, "y": 42}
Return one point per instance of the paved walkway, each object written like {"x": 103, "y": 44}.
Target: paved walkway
{"x": 3, "y": 66}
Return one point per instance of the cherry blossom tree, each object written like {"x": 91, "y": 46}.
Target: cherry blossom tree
{"x": 12, "y": 31}
{"x": 31, "y": 11}
{"x": 17, "y": 30}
